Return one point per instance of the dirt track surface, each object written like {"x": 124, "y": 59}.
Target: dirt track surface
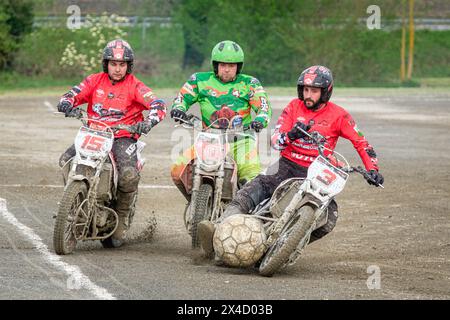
{"x": 403, "y": 231}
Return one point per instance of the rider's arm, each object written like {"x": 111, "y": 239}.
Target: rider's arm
{"x": 259, "y": 102}
{"x": 79, "y": 94}
{"x": 285, "y": 123}
{"x": 187, "y": 96}
{"x": 145, "y": 96}
{"x": 350, "y": 131}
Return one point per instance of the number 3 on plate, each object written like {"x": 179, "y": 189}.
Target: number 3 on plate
{"x": 326, "y": 177}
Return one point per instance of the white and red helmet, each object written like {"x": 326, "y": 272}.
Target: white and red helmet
{"x": 118, "y": 50}
{"x": 319, "y": 77}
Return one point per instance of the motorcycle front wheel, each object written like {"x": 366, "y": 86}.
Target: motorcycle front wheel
{"x": 64, "y": 239}
{"x": 279, "y": 253}
{"x": 202, "y": 210}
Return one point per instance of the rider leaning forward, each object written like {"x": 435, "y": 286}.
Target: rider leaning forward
{"x": 313, "y": 111}
{"x": 115, "y": 96}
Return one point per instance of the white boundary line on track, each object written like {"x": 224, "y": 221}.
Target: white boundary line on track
{"x": 144, "y": 186}
{"x": 49, "y": 106}
{"x": 72, "y": 271}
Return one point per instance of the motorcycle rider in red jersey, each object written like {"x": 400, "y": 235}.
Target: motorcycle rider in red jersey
{"x": 115, "y": 96}
{"x": 312, "y": 110}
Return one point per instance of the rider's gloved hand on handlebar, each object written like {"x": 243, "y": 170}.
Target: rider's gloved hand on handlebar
{"x": 296, "y": 133}
{"x": 177, "y": 113}
{"x": 375, "y": 178}
{"x": 144, "y": 127}
{"x": 257, "y": 125}
{"x": 64, "y": 107}
{"x": 74, "y": 113}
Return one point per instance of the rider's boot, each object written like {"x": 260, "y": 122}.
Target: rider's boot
{"x": 206, "y": 228}
{"x": 124, "y": 205}
{"x": 232, "y": 209}
{"x": 205, "y": 231}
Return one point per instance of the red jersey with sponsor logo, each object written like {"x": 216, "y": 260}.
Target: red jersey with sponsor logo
{"x": 119, "y": 103}
{"x": 331, "y": 121}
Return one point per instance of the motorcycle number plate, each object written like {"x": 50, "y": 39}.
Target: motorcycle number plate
{"x": 91, "y": 142}
{"x": 330, "y": 179}
{"x": 209, "y": 149}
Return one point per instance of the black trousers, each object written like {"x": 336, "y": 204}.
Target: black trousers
{"x": 263, "y": 186}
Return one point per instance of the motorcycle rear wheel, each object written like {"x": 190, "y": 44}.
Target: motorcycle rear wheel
{"x": 202, "y": 211}
{"x": 287, "y": 242}
{"x": 64, "y": 240}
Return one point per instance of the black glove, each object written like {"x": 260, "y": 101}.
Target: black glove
{"x": 296, "y": 133}
{"x": 143, "y": 127}
{"x": 63, "y": 106}
{"x": 374, "y": 178}
{"x": 257, "y": 125}
{"x": 177, "y": 113}
{"x": 74, "y": 113}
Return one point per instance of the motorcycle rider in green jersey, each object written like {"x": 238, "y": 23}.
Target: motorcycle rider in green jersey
{"x": 224, "y": 93}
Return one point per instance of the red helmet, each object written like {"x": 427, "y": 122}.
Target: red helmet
{"x": 118, "y": 50}
{"x": 316, "y": 76}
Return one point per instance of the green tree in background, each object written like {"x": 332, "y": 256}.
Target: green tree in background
{"x": 193, "y": 15}
{"x": 281, "y": 38}
{"x": 16, "y": 20}
{"x": 249, "y": 23}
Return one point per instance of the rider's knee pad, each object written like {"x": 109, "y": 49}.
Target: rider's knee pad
{"x": 128, "y": 179}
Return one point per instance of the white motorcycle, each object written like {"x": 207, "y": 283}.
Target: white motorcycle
{"x": 299, "y": 206}
{"x": 211, "y": 179}
{"x": 86, "y": 211}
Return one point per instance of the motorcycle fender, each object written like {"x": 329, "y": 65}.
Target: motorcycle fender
{"x": 208, "y": 180}
{"x": 310, "y": 200}
{"x": 78, "y": 177}
{"x": 322, "y": 220}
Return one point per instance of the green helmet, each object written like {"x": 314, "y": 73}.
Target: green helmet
{"x": 229, "y": 52}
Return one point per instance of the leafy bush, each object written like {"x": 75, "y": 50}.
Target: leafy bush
{"x": 81, "y": 56}
{"x": 16, "y": 18}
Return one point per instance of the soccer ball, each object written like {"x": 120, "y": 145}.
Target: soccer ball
{"x": 239, "y": 241}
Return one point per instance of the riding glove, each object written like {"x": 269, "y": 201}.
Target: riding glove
{"x": 143, "y": 127}
{"x": 257, "y": 125}
{"x": 375, "y": 178}
{"x": 178, "y": 114}
{"x": 74, "y": 113}
{"x": 64, "y": 106}
{"x": 296, "y": 132}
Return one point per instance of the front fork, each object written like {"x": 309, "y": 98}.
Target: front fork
{"x": 217, "y": 208}
{"x": 302, "y": 197}
{"x": 90, "y": 227}
{"x": 217, "y": 195}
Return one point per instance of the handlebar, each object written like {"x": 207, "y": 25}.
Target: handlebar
{"x": 363, "y": 172}
{"x": 320, "y": 140}
{"x": 130, "y": 129}
{"x": 193, "y": 121}
{"x": 85, "y": 120}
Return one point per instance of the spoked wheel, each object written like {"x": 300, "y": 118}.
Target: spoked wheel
{"x": 202, "y": 210}
{"x": 64, "y": 234}
{"x": 279, "y": 253}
